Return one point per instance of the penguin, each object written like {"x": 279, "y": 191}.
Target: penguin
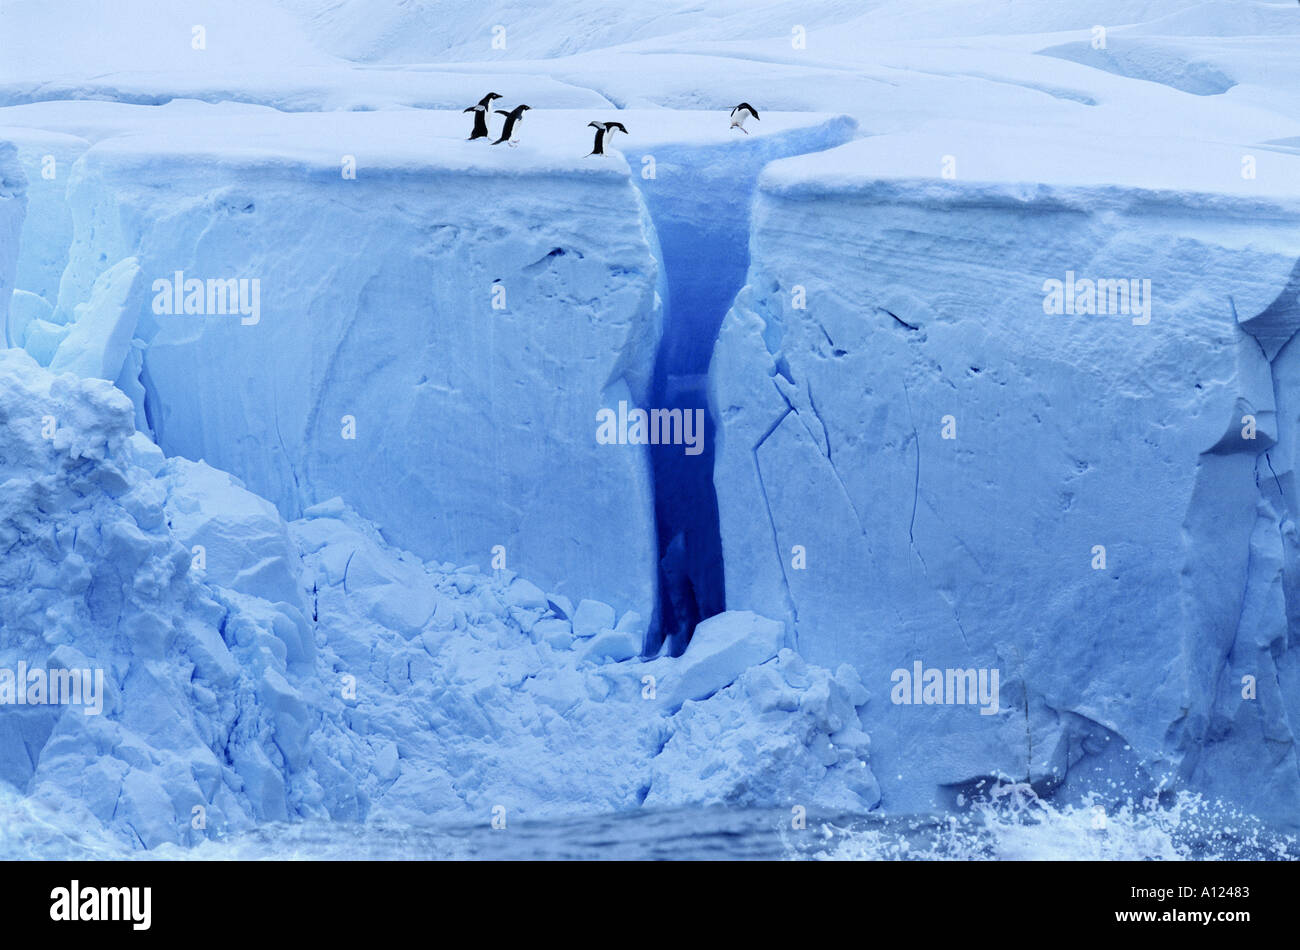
{"x": 603, "y": 129}
{"x": 512, "y": 117}
{"x": 480, "y": 116}
{"x": 740, "y": 114}
{"x": 480, "y": 123}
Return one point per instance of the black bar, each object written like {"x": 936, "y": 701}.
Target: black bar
{"x": 368, "y": 899}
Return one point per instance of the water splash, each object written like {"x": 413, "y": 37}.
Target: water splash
{"x": 1014, "y": 823}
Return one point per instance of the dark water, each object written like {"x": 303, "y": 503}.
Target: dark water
{"x": 995, "y": 833}
{"x": 1015, "y": 826}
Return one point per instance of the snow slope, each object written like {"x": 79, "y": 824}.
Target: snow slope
{"x": 462, "y": 30}
{"x": 251, "y": 51}
{"x": 923, "y": 306}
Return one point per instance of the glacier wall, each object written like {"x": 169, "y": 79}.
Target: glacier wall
{"x": 433, "y": 341}
{"x": 917, "y": 463}
{"x": 47, "y": 159}
{"x": 13, "y": 208}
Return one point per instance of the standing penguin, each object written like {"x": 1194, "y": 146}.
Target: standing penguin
{"x": 741, "y": 114}
{"x": 480, "y": 116}
{"x": 480, "y": 123}
{"x": 603, "y": 129}
{"x": 512, "y": 117}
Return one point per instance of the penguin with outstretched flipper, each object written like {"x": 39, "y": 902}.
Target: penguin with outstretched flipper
{"x": 602, "y": 130}
{"x": 480, "y": 116}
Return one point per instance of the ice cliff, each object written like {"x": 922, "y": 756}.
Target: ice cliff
{"x": 13, "y": 207}
{"x": 918, "y": 462}
{"x": 432, "y": 343}
{"x": 463, "y": 311}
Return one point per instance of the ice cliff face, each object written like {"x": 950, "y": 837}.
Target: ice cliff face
{"x": 256, "y": 670}
{"x": 916, "y": 462}
{"x": 48, "y": 158}
{"x": 13, "y": 205}
{"x": 431, "y": 343}
{"x": 467, "y": 336}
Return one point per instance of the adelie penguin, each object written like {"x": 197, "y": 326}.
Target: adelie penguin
{"x": 480, "y": 116}
{"x": 741, "y": 114}
{"x": 603, "y": 129}
{"x": 514, "y": 116}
